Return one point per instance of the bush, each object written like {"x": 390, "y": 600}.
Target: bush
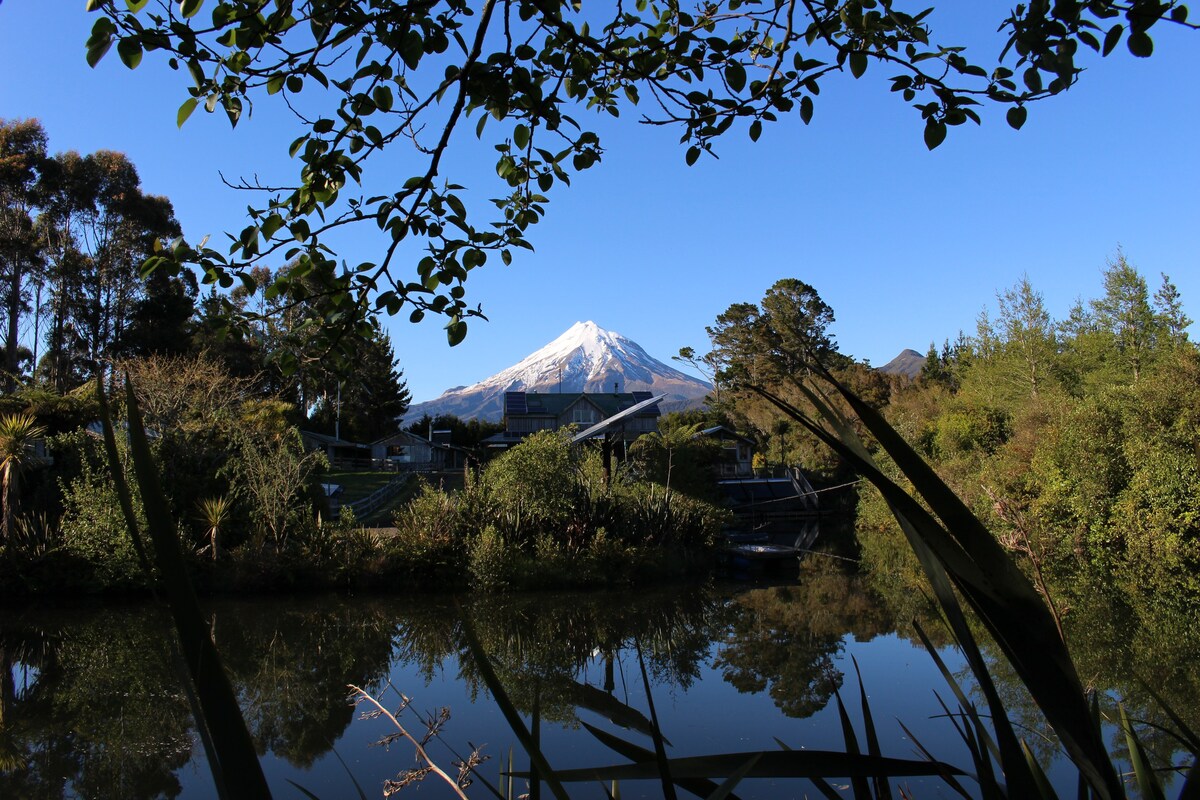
{"x": 94, "y": 529}
{"x": 490, "y": 563}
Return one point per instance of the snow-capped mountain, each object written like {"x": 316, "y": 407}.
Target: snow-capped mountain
{"x": 586, "y": 358}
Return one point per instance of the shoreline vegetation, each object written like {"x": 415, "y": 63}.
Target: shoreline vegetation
{"x": 546, "y": 515}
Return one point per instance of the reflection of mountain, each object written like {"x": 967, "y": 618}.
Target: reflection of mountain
{"x": 586, "y": 358}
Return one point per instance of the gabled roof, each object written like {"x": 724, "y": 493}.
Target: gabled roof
{"x": 399, "y": 436}
{"x": 326, "y": 439}
{"x": 721, "y": 432}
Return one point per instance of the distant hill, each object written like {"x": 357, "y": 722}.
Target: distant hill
{"x": 586, "y": 358}
{"x": 908, "y": 363}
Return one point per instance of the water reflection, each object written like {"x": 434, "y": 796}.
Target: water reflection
{"x": 90, "y": 704}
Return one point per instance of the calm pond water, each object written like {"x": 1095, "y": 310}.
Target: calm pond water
{"x": 91, "y": 706}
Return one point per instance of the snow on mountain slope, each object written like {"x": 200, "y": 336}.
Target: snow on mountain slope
{"x": 586, "y": 358}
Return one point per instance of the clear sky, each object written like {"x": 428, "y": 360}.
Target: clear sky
{"x": 906, "y": 245}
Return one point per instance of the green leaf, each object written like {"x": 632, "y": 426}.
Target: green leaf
{"x": 521, "y": 137}
{"x": 382, "y": 95}
{"x": 1140, "y": 44}
{"x": 755, "y": 130}
{"x": 858, "y": 64}
{"x": 185, "y": 111}
{"x": 1033, "y": 79}
{"x": 275, "y": 83}
{"x": 735, "y": 76}
{"x": 133, "y": 5}
{"x": 130, "y": 51}
{"x": 1016, "y": 117}
{"x": 99, "y": 42}
{"x": 935, "y": 133}
{"x": 693, "y": 153}
{"x": 189, "y": 8}
{"x": 1112, "y": 38}
{"x": 806, "y": 109}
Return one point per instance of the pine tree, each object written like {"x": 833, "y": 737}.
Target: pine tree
{"x": 1169, "y": 308}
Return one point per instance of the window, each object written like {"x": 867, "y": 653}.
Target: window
{"x": 584, "y": 414}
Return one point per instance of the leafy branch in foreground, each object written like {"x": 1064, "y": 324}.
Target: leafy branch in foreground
{"x": 368, "y": 76}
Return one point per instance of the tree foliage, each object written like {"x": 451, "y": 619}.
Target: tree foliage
{"x": 1097, "y": 469}
{"x": 386, "y": 73}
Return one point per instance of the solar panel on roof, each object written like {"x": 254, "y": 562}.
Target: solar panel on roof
{"x": 514, "y": 403}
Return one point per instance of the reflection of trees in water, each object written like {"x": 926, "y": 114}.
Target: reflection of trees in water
{"x": 546, "y": 646}
{"x": 292, "y": 666}
{"x": 98, "y": 720}
{"x": 105, "y": 716}
{"x": 1121, "y": 644}
{"x": 785, "y": 639}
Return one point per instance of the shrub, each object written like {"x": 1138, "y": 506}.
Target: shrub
{"x": 491, "y": 564}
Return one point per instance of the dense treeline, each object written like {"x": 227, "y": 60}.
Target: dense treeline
{"x": 75, "y": 234}
{"x": 1076, "y": 440}
{"x": 222, "y": 404}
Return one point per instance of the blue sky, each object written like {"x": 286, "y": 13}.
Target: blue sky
{"x": 906, "y": 245}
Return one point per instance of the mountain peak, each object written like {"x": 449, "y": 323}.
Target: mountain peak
{"x": 584, "y": 358}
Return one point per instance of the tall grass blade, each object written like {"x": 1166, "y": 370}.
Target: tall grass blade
{"x": 1147, "y": 781}
{"x": 1004, "y": 599}
{"x": 346, "y": 768}
{"x": 950, "y": 780}
{"x": 861, "y": 790}
{"x": 701, "y": 787}
{"x": 952, "y": 682}
{"x": 308, "y": 794}
{"x": 771, "y": 764}
{"x": 883, "y": 789}
{"x": 1044, "y": 788}
{"x": 1008, "y": 605}
{"x": 725, "y": 789}
{"x": 940, "y": 557}
{"x": 1182, "y": 732}
{"x": 600, "y": 702}
{"x": 511, "y": 715}
{"x": 124, "y": 498}
{"x": 125, "y": 501}
{"x": 236, "y": 756}
{"x": 1191, "y": 782}
{"x": 660, "y": 752}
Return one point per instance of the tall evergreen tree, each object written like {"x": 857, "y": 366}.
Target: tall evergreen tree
{"x": 1125, "y": 314}
{"x": 1028, "y": 334}
{"x": 1169, "y": 307}
{"x": 366, "y": 403}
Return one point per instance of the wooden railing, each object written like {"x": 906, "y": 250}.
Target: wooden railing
{"x": 371, "y": 503}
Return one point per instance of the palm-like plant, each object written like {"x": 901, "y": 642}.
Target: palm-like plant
{"x": 214, "y": 511}
{"x": 18, "y": 432}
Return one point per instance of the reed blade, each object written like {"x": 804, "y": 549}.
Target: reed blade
{"x": 484, "y": 664}
{"x": 701, "y": 787}
{"x": 1147, "y": 781}
{"x": 238, "y": 767}
{"x": 771, "y": 764}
